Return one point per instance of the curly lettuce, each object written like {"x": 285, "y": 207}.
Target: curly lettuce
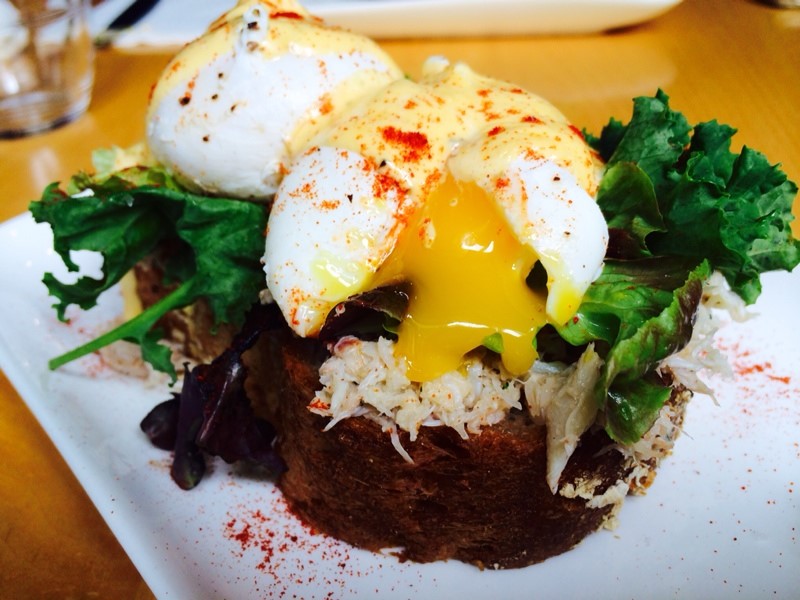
{"x": 670, "y": 189}
{"x": 679, "y": 205}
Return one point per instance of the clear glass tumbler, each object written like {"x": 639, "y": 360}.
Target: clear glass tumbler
{"x": 46, "y": 64}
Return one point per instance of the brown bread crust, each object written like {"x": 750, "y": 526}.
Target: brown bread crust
{"x": 483, "y": 500}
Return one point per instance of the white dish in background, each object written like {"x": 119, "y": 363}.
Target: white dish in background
{"x": 720, "y": 521}
{"x": 175, "y": 22}
{"x": 458, "y": 18}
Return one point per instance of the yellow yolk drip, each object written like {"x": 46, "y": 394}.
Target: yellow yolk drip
{"x": 467, "y": 272}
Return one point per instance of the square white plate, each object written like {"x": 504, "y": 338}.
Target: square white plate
{"x": 720, "y": 521}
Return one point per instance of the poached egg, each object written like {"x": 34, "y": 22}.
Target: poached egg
{"x": 233, "y": 107}
{"x": 458, "y": 184}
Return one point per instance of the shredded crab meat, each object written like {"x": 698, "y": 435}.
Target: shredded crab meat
{"x": 700, "y": 354}
{"x": 562, "y": 397}
{"x": 368, "y": 374}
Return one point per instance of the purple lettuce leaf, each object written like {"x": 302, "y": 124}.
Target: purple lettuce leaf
{"x": 212, "y": 415}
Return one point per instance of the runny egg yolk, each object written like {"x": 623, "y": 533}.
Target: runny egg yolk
{"x": 467, "y": 272}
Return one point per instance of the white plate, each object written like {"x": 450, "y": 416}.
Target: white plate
{"x": 432, "y": 18}
{"x": 175, "y": 22}
{"x": 720, "y": 520}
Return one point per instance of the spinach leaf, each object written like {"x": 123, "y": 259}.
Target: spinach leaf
{"x": 126, "y": 216}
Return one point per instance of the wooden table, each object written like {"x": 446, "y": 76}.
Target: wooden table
{"x": 733, "y": 60}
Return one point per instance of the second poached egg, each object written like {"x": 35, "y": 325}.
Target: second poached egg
{"x": 458, "y": 184}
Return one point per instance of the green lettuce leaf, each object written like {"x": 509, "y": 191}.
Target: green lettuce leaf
{"x": 633, "y": 358}
{"x": 641, "y": 312}
{"x": 625, "y": 295}
{"x": 632, "y": 407}
{"x": 654, "y": 139}
{"x": 701, "y": 201}
{"x": 124, "y": 217}
{"x": 739, "y": 220}
{"x": 674, "y": 197}
{"x": 628, "y": 201}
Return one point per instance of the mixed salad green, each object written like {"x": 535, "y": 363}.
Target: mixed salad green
{"x": 124, "y": 216}
{"x": 678, "y": 202}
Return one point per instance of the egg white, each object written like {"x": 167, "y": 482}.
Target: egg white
{"x": 232, "y": 107}
{"x": 331, "y": 226}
